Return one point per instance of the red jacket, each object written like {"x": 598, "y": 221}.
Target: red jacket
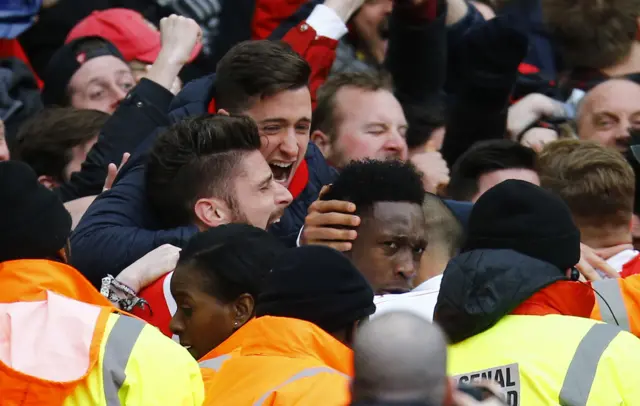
{"x": 270, "y": 14}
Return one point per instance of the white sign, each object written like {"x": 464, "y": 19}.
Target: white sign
{"x": 508, "y": 376}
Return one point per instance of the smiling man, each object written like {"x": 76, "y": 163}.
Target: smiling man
{"x": 224, "y": 180}
{"x": 390, "y": 239}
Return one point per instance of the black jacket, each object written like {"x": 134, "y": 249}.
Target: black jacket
{"x": 480, "y": 287}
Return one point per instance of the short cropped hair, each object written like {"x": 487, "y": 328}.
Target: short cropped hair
{"x": 46, "y": 141}
{"x": 368, "y": 181}
{"x": 593, "y": 34}
{"x": 595, "y": 181}
{"x": 443, "y": 228}
{"x": 325, "y": 116}
{"x": 233, "y": 259}
{"x": 255, "y": 69}
{"x": 195, "y": 158}
{"x": 484, "y": 157}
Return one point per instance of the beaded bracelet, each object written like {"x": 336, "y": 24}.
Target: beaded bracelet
{"x": 114, "y": 290}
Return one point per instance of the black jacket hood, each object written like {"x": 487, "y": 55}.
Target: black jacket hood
{"x": 480, "y": 287}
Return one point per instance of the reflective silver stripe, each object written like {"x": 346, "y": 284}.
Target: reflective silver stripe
{"x": 214, "y": 363}
{"x": 582, "y": 369}
{"x": 123, "y": 337}
{"x": 609, "y": 293}
{"x": 305, "y": 373}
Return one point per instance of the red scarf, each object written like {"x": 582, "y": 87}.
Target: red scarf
{"x": 300, "y": 178}
{"x": 564, "y": 297}
{"x": 631, "y": 268}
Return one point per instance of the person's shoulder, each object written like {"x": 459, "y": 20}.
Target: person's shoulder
{"x": 193, "y": 99}
{"x": 321, "y": 385}
{"x": 319, "y": 169}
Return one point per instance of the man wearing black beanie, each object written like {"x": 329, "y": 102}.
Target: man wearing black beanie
{"x": 514, "y": 310}
{"x": 297, "y": 350}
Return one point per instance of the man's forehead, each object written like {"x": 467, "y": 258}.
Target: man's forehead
{"x": 288, "y": 105}
{"x": 395, "y": 214}
{"x": 615, "y": 91}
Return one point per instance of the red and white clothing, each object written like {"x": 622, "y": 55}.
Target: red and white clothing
{"x": 161, "y": 305}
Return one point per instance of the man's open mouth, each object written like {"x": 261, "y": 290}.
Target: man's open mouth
{"x": 383, "y": 29}
{"x": 281, "y": 171}
{"x": 275, "y": 218}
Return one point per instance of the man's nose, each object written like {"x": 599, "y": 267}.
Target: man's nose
{"x": 289, "y": 145}
{"x": 283, "y": 197}
{"x": 405, "y": 266}
{"x": 397, "y": 144}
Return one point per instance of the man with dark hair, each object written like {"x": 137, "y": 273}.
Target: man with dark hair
{"x": 202, "y": 173}
{"x": 55, "y": 142}
{"x": 208, "y": 171}
{"x": 390, "y": 238}
{"x": 256, "y": 77}
{"x": 444, "y": 235}
{"x": 488, "y": 163}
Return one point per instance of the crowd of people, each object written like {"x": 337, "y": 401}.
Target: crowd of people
{"x": 320, "y": 202}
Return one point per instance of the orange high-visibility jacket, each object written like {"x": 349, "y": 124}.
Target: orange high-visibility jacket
{"x": 617, "y": 301}
{"x": 282, "y": 362}
{"x": 62, "y": 343}
{"x": 211, "y": 363}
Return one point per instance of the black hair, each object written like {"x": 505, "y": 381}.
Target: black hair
{"x": 484, "y": 157}
{"x": 195, "y": 158}
{"x": 367, "y": 182}
{"x": 256, "y": 69}
{"x": 233, "y": 259}
{"x": 423, "y": 120}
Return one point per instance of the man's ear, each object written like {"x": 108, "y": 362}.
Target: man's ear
{"x": 223, "y": 112}
{"x": 48, "y": 181}
{"x": 212, "y": 212}
{"x": 323, "y": 142}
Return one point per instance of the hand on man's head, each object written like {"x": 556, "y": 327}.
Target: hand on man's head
{"x": 330, "y": 223}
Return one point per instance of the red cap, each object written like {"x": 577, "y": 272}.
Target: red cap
{"x": 135, "y": 38}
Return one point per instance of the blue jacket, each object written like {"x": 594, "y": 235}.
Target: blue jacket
{"x": 119, "y": 227}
